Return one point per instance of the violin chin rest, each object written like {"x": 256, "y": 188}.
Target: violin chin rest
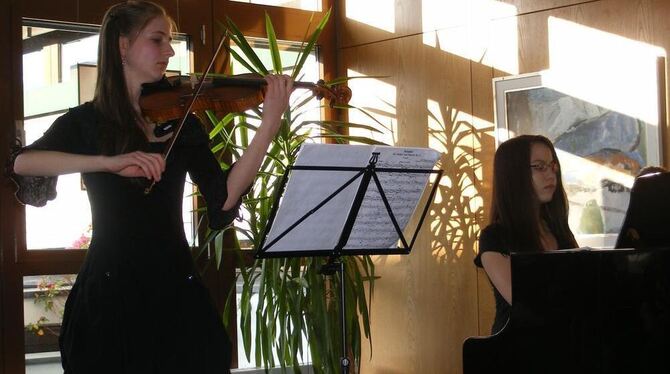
{"x": 163, "y": 129}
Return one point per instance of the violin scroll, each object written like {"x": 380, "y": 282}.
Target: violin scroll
{"x": 338, "y": 94}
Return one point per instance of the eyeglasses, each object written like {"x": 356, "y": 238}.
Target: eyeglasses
{"x": 541, "y": 166}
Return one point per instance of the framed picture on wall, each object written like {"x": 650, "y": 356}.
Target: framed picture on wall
{"x": 601, "y": 150}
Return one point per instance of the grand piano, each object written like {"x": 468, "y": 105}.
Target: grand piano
{"x": 590, "y": 311}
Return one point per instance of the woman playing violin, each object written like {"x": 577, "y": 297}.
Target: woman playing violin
{"x": 138, "y": 304}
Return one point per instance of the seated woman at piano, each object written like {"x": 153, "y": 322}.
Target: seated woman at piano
{"x": 529, "y": 212}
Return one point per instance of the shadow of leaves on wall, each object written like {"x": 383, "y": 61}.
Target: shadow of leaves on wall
{"x": 457, "y": 211}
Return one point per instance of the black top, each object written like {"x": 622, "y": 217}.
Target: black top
{"x": 492, "y": 239}
{"x": 138, "y": 305}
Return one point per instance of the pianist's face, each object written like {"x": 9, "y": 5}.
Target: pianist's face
{"x": 543, "y": 169}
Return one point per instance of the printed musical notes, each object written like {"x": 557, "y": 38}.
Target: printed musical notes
{"x": 373, "y": 227}
{"x": 320, "y": 227}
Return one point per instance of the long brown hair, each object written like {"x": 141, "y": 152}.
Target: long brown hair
{"x": 514, "y": 205}
{"x": 120, "y": 131}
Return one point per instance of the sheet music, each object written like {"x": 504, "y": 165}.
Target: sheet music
{"x": 373, "y": 228}
{"x": 307, "y": 188}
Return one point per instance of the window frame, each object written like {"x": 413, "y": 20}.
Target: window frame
{"x": 16, "y": 261}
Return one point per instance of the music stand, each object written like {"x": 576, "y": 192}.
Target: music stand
{"x": 367, "y": 174}
{"x": 645, "y": 224}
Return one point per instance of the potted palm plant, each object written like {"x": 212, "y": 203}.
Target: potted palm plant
{"x": 286, "y": 301}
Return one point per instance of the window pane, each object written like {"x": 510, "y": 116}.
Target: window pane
{"x": 59, "y": 65}
{"x": 65, "y": 222}
{"x": 43, "y": 304}
{"x": 312, "y": 110}
{"x": 242, "y": 362}
{"x": 313, "y": 5}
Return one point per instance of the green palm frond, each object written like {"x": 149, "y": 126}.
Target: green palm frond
{"x": 295, "y": 301}
{"x": 341, "y": 80}
{"x": 239, "y": 39}
{"x": 310, "y": 44}
{"x": 274, "y": 47}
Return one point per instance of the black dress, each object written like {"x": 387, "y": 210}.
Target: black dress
{"x": 138, "y": 304}
{"x": 492, "y": 238}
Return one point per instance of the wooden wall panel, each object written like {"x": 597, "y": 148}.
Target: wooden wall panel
{"x": 424, "y": 303}
{"x": 660, "y": 36}
{"x": 191, "y": 22}
{"x": 85, "y": 11}
{"x": 63, "y": 10}
{"x": 289, "y": 24}
{"x": 370, "y": 22}
{"x": 641, "y": 20}
{"x": 93, "y": 11}
{"x": 480, "y": 45}
{"x": 506, "y": 37}
{"x": 529, "y": 6}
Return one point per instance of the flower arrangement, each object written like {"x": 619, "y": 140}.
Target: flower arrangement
{"x": 46, "y": 295}
{"x": 84, "y": 240}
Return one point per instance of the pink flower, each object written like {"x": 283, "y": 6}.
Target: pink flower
{"x": 82, "y": 242}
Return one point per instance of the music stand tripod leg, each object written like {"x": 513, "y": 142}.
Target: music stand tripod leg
{"x": 336, "y": 264}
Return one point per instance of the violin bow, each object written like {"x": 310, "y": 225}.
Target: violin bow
{"x": 177, "y": 130}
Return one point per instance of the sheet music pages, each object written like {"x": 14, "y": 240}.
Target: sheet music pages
{"x": 307, "y": 188}
{"x": 373, "y": 227}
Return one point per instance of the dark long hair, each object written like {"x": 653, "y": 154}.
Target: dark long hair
{"x": 120, "y": 131}
{"x": 514, "y": 204}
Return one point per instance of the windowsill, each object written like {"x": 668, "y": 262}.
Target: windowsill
{"x": 303, "y": 369}
{"x": 36, "y": 361}
{"x": 42, "y": 358}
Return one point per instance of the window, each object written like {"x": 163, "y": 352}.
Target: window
{"x": 309, "y": 73}
{"x": 43, "y": 304}
{"x": 59, "y": 64}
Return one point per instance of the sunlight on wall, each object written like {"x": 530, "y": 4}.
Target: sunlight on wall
{"x": 377, "y": 13}
{"x": 605, "y": 69}
{"x": 490, "y": 39}
{"x": 379, "y": 100}
{"x": 454, "y": 40}
{"x": 438, "y": 14}
{"x": 504, "y": 44}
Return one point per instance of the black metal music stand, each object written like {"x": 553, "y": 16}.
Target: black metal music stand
{"x": 335, "y": 263}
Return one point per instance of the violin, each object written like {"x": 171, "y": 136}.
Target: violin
{"x": 236, "y": 93}
{"x": 231, "y": 94}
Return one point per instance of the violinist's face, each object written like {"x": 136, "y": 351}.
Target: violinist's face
{"x": 147, "y": 52}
